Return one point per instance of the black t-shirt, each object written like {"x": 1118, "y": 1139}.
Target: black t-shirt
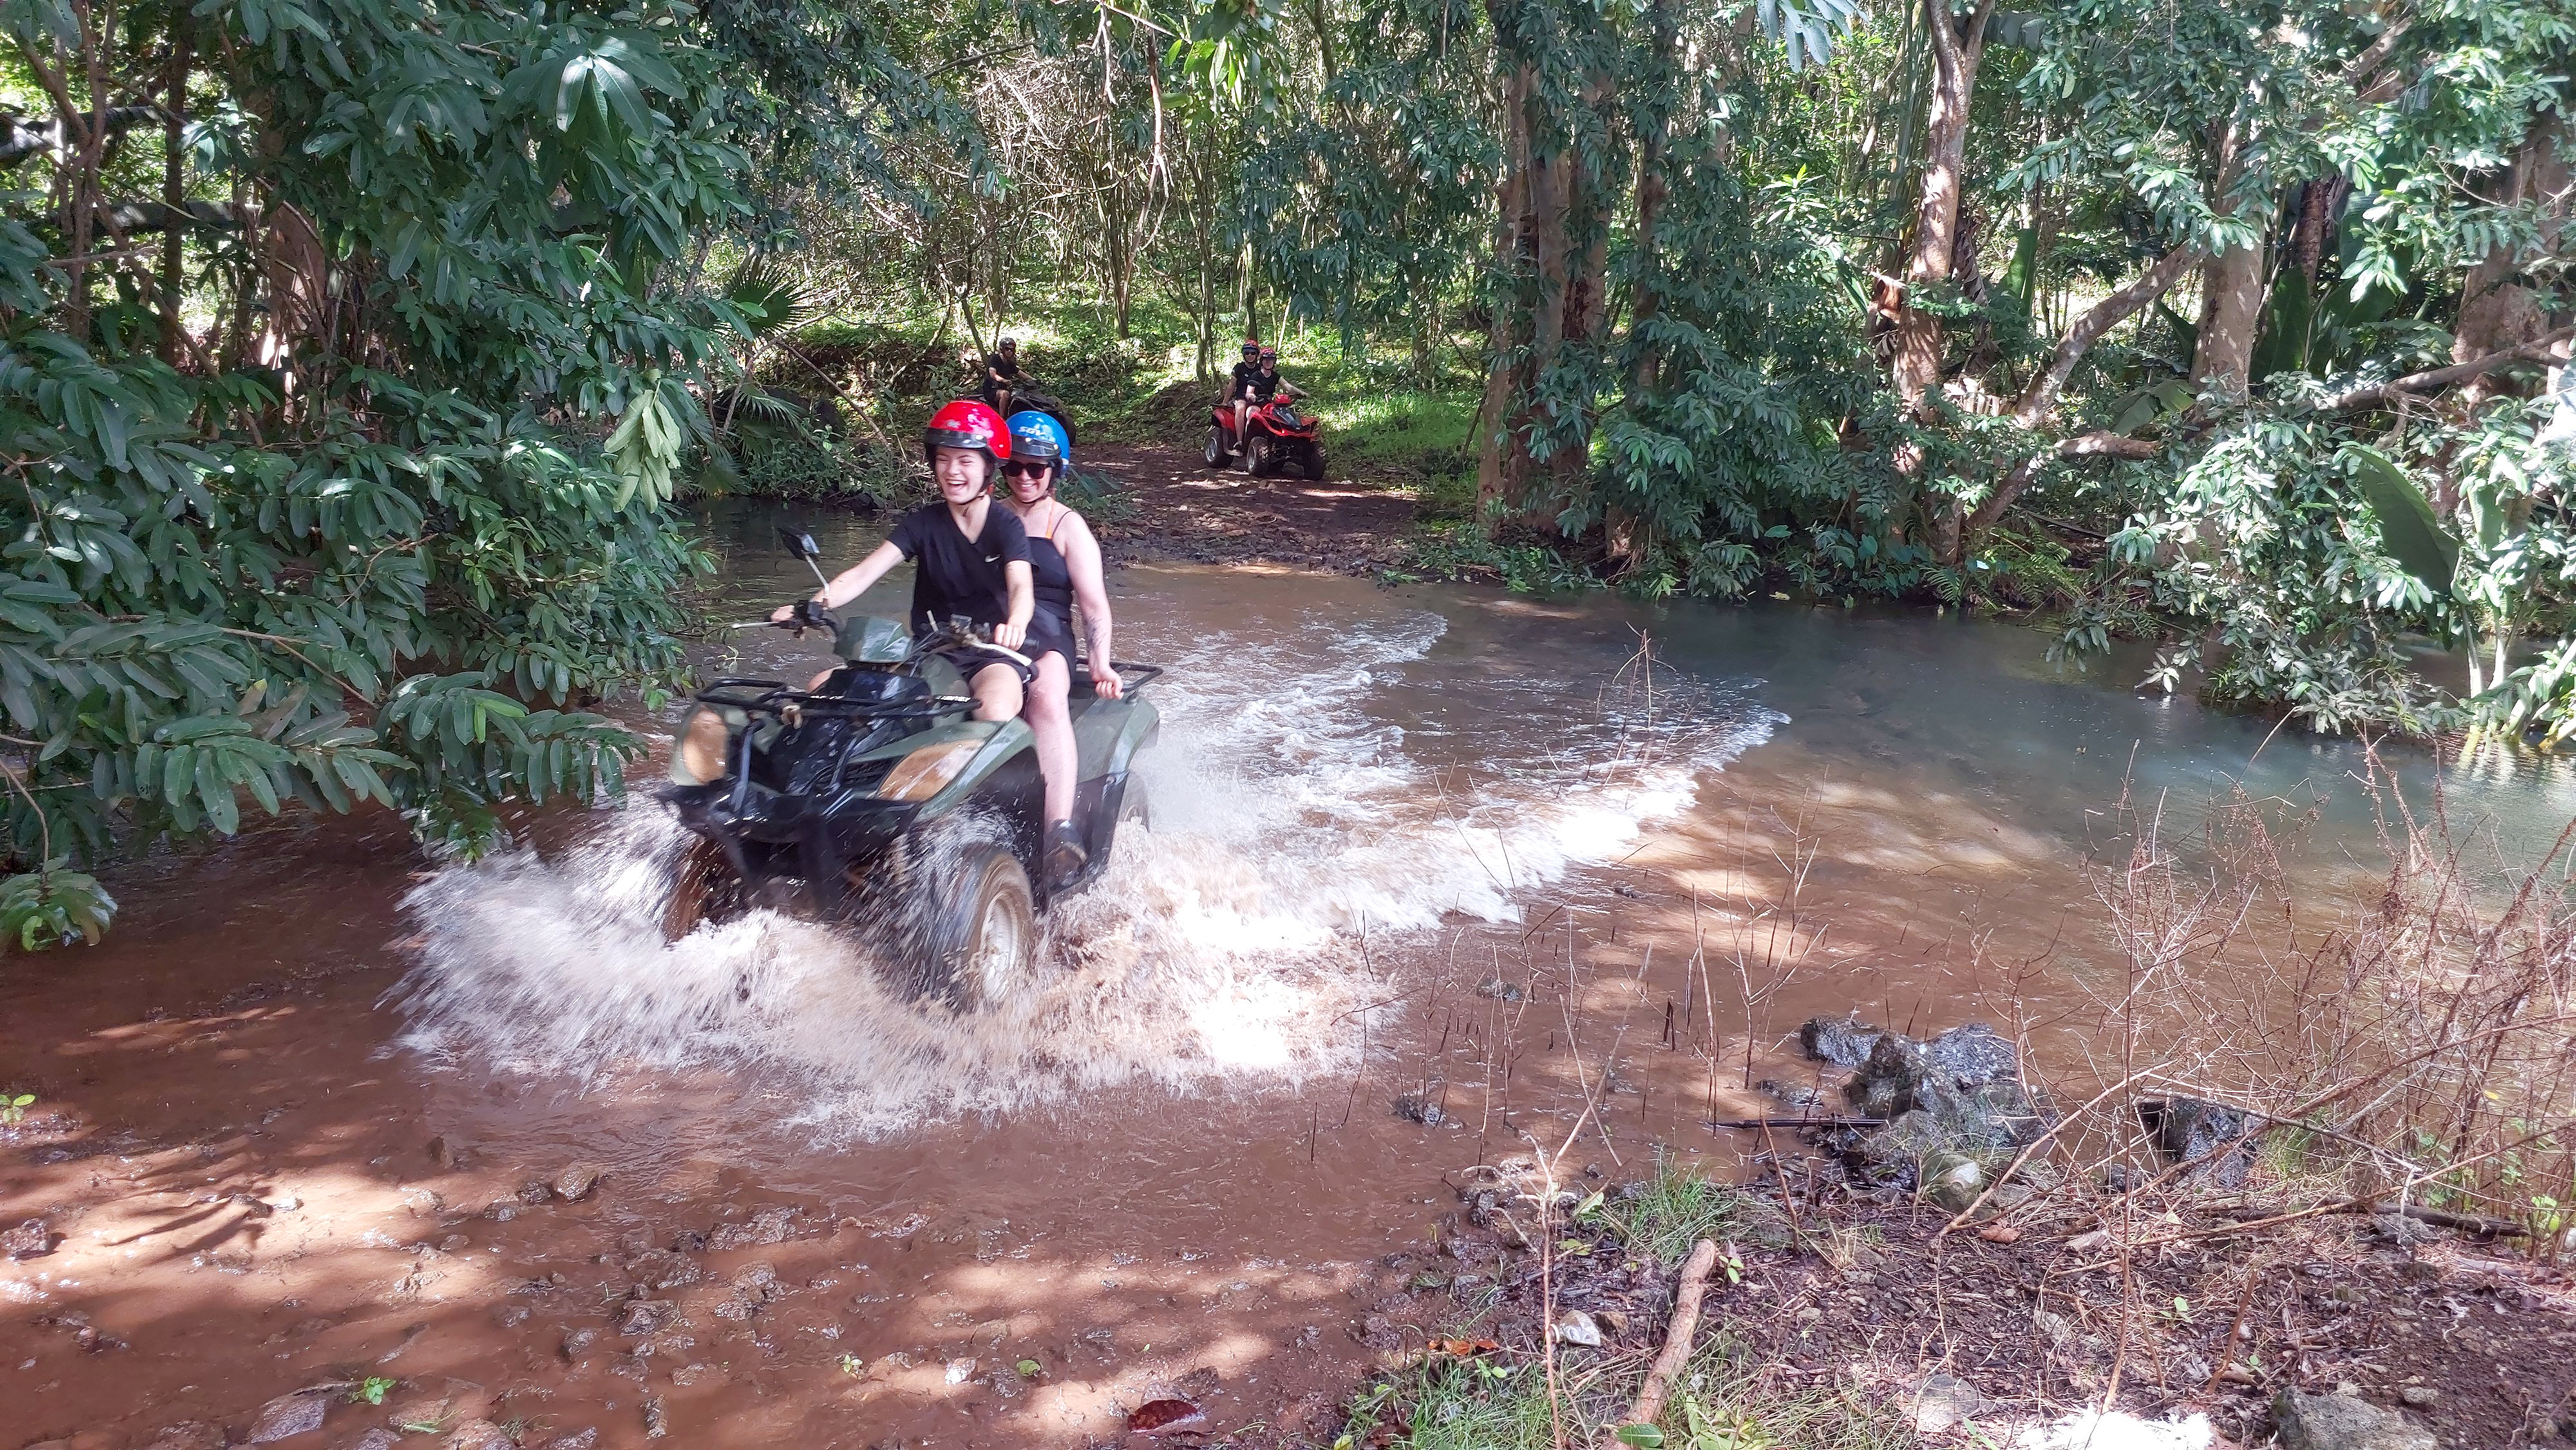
{"x": 1261, "y": 386}
{"x": 1008, "y": 367}
{"x": 1243, "y": 375}
{"x": 954, "y": 575}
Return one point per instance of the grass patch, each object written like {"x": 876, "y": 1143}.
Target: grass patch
{"x": 1676, "y": 1208}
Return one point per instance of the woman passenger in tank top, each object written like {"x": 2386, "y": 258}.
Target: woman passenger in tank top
{"x": 1064, "y": 570}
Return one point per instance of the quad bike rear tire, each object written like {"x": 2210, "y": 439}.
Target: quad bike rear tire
{"x": 1259, "y": 454}
{"x": 983, "y": 939}
{"x": 704, "y": 891}
{"x": 1214, "y": 453}
{"x": 1315, "y": 462}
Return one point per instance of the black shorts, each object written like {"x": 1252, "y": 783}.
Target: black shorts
{"x": 972, "y": 659}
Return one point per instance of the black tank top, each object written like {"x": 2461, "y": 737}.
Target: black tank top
{"x": 1051, "y": 580}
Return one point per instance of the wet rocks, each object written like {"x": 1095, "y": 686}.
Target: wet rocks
{"x": 1501, "y": 991}
{"x": 578, "y": 1342}
{"x": 479, "y": 1435}
{"x": 657, "y": 1422}
{"x": 1844, "y": 1042}
{"x": 2344, "y": 1422}
{"x": 586, "y": 1438}
{"x": 379, "y": 1438}
{"x": 2188, "y": 1130}
{"x": 1952, "y": 1112}
{"x": 577, "y": 1180}
{"x": 289, "y": 1415}
{"x": 656, "y": 1269}
{"x": 769, "y": 1226}
{"x": 32, "y": 1239}
{"x": 188, "y": 1435}
{"x": 643, "y": 1316}
{"x": 1417, "y": 1109}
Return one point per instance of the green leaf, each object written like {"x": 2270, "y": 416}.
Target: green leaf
{"x": 2413, "y": 534}
{"x": 1644, "y": 1437}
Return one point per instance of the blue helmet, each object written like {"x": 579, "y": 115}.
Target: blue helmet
{"x": 1039, "y": 438}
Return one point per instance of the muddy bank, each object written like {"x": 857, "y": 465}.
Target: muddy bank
{"x": 1188, "y": 512}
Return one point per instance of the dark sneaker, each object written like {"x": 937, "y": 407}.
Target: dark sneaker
{"x": 1064, "y": 857}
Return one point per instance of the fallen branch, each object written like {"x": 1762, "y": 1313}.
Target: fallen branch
{"x": 2468, "y": 1223}
{"x": 2117, "y": 445}
{"x": 1751, "y": 1124}
{"x": 2537, "y": 350}
{"x": 1677, "y": 1343}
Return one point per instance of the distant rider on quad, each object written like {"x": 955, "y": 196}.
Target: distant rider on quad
{"x": 1001, "y": 377}
{"x": 972, "y": 558}
{"x": 1235, "y": 394}
{"x": 1064, "y": 563}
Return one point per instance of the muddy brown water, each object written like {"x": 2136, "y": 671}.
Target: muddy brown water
{"x": 1460, "y": 848}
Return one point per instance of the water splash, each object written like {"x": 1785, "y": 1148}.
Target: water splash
{"x": 1293, "y": 807}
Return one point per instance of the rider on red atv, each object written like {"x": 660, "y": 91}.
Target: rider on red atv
{"x": 1258, "y": 424}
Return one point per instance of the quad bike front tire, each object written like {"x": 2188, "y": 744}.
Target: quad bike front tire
{"x": 983, "y": 939}
{"x": 1214, "y": 453}
{"x": 704, "y": 890}
{"x": 1259, "y": 454}
{"x": 1315, "y": 462}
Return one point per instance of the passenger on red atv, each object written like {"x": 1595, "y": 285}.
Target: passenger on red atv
{"x": 1257, "y": 422}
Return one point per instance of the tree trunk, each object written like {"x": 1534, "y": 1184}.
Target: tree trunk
{"x": 1502, "y": 448}
{"x": 1652, "y": 189}
{"x": 2231, "y": 313}
{"x": 1957, "y": 48}
{"x": 2497, "y": 309}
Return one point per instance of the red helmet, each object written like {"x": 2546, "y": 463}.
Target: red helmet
{"x": 967, "y": 424}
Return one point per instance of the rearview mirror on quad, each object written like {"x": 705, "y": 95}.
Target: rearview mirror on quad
{"x": 800, "y": 543}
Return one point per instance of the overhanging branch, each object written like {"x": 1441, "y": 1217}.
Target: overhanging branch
{"x": 2537, "y": 350}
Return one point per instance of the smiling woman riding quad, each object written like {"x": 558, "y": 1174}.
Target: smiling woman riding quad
{"x": 1064, "y": 568}
{"x": 973, "y": 561}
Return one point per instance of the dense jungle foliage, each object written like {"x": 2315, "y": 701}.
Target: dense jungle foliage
{"x": 351, "y": 351}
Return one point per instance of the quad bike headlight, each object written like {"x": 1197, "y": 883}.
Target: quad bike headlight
{"x": 927, "y": 771}
{"x": 703, "y": 752}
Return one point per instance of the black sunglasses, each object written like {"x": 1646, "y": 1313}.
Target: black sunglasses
{"x": 1017, "y": 469}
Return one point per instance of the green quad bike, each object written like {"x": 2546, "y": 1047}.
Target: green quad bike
{"x": 877, "y": 798}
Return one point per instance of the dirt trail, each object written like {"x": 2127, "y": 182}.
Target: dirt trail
{"x": 1187, "y": 511}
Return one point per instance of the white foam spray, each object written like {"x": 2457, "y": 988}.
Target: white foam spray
{"x": 1289, "y": 816}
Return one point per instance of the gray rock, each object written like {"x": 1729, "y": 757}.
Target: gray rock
{"x": 1576, "y": 1327}
{"x": 1889, "y": 1082}
{"x": 582, "y": 1439}
{"x": 1501, "y": 991}
{"x": 289, "y": 1415}
{"x": 2187, "y": 1130}
{"x": 577, "y": 1180}
{"x": 29, "y": 1240}
{"x": 1943, "y": 1403}
{"x": 1844, "y": 1042}
{"x": 378, "y": 1438}
{"x": 643, "y": 1316}
{"x": 578, "y": 1342}
{"x": 656, "y": 1423}
{"x": 1973, "y": 1054}
{"x": 769, "y": 1226}
{"x": 2419, "y": 1397}
{"x": 1416, "y": 1109}
{"x": 480, "y": 1435}
{"x": 2344, "y": 1422}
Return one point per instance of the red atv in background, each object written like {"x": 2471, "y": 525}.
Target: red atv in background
{"x": 1281, "y": 439}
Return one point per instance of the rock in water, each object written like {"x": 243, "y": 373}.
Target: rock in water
{"x": 583, "y": 1439}
{"x": 2345, "y": 1422}
{"x": 379, "y": 1438}
{"x": 2187, "y": 1130}
{"x": 1421, "y": 1110}
{"x": 189, "y": 1435}
{"x": 1889, "y": 1082}
{"x": 1973, "y": 1054}
{"x": 480, "y": 1435}
{"x": 29, "y": 1240}
{"x": 287, "y": 1415}
{"x": 1844, "y": 1042}
{"x": 575, "y": 1182}
{"x": 643, "y": 1316}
